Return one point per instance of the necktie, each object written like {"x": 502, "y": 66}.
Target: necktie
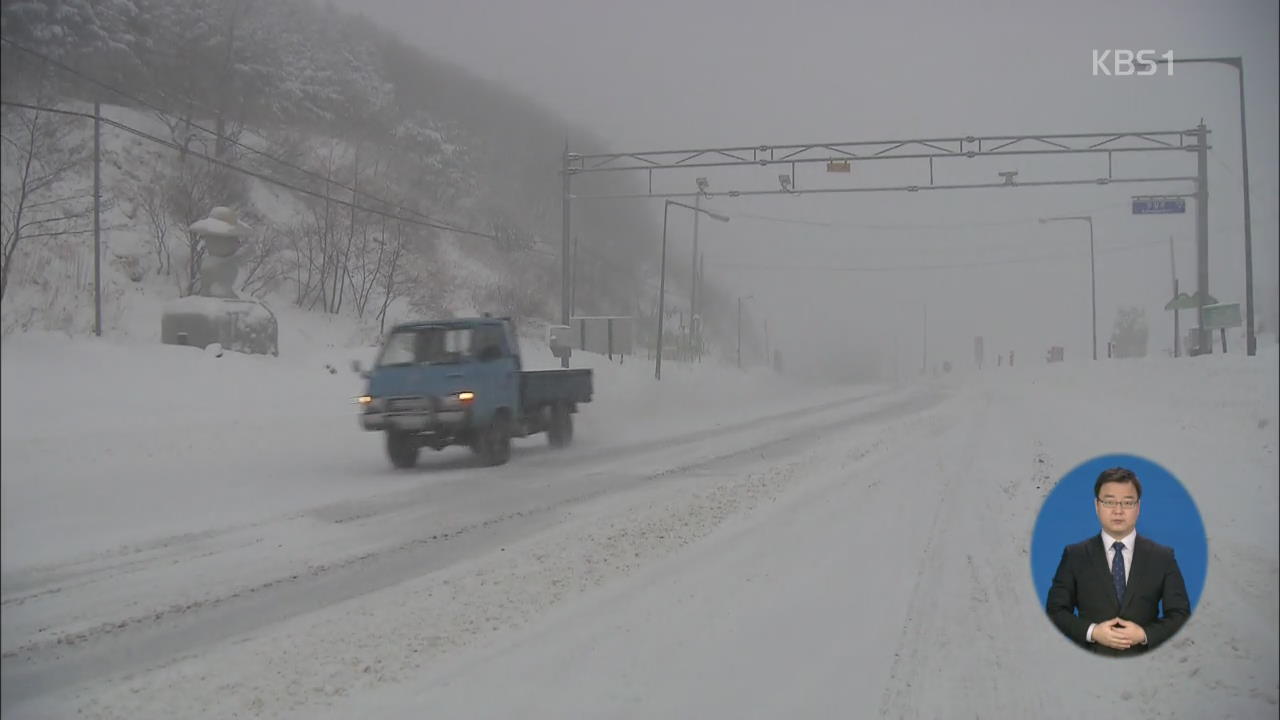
{"x": 1117, "y": 570}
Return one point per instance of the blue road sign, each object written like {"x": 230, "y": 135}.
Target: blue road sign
{"x": 1159, "y": 205}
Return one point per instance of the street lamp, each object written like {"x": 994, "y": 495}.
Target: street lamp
{"x": 1093, "y": 277}
{"x": 1251, "y": 340}
{"x": 740, "y": 299}
{"x": 662, "y": 283}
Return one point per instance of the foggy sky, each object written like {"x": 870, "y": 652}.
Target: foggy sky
{"x": 665, "y": 74}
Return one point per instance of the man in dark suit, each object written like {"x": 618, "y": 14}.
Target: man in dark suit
{"x": 1107, "y": 592}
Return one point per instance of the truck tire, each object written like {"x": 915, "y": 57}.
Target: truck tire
{"x": 402, "y": 448}
{"x": 560, "y": 430}
{"x": 495, "y": 443}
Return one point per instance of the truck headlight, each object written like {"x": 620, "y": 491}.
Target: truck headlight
{"x": 458, "y": 400}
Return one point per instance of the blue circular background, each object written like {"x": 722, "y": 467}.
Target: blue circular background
{"x": 1168, "y": 516}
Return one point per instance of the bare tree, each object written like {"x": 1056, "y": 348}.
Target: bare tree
{"x": 301, "y": 264}
{"x": 263, "y": 270}
{"x": 41, "y": 154}
{"x": 508, "y": 235}
{"x": 394, "y": 278}
{"x": 152, "y": 202}
{"x": 342, "y": 268}
{"x": 363, "y": 274}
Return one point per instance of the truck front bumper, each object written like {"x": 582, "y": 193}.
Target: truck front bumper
{"x": 437, "y": 422}
{"x": 416, "y": 414}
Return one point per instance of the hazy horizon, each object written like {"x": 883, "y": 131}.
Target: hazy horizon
{"x": 665, "y": 75}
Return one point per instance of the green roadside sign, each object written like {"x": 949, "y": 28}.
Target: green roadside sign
{"x": 1225, "y": 315}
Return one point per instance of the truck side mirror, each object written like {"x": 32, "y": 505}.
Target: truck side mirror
{"x": 358, "y": 369}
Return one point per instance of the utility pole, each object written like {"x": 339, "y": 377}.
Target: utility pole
{"x": 565, "y": 300}
{"x": 573, "y": 279}
{"x": 97, "y": 214}
{"x": 693, "y": 282}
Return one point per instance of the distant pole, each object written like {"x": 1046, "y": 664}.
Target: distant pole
{"x": 1204, "y": 343}
{"x": 739, "y": 333}
{"x": 766, "y": 343}
{"x": 924, "y": 345}
{"x": 1093, "y": 289}
{"x": 662, "y": 291}
{"x": 97, "y": 212}
{"x": 702, "y": 269}
{"x": 1251, "y": 339}
{"x": 1093, "y": 275}
{"x": 897, "y": 359}
{"x": 1173, "y": 270}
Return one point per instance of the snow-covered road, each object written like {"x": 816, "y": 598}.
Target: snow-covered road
{"x": 779, "y": 552}
{"x": 69, "y": 623}
{"x": 892, "y": 579}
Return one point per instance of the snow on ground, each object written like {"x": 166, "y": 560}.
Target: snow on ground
{"x": 863, "y": 558}
{"x": 896, "y": 584}
{"x": 90, "y": 427}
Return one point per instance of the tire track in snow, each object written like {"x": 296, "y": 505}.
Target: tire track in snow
{"x": 904, "y": 673}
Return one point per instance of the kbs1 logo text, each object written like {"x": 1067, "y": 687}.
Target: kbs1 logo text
{"x": 1123, "y": 63}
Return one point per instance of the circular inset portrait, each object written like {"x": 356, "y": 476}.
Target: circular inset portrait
{"x": 1119, "y": 555}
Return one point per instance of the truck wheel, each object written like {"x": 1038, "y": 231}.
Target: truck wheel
{"x": 495, "y": 444}
{"x": 560, "y": 431}
{"x": 402, "y": 448}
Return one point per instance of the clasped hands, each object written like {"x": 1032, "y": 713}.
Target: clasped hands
{"x": 1119, "y": 634}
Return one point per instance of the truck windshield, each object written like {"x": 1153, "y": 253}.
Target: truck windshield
{"x": 431, "y": 346}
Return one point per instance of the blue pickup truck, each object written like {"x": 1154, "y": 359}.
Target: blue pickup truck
{"x": 460, "y": 382}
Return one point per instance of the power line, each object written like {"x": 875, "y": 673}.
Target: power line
{"x": 252, "y": 173}
{"x": 534, "y": 249}
{"x": 168, "y": 113}
{"x": 426, "y": 221}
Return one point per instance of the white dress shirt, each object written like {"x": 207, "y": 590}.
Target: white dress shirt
{"x": 1127, "y": 554}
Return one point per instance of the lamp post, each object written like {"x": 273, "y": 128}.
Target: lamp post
{"x": 1251, "y": 340}
{"x": 1093, "y": 277}
{"x": 740, "y": 299}
{"x": 662, "y": 283}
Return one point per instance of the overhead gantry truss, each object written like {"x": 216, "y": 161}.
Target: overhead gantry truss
{"x": 843, "y": 156}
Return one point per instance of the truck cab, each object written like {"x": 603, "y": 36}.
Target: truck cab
{"x": 461, "y": 382}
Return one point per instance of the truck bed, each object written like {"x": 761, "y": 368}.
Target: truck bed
{"x": 548, "y": 387}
